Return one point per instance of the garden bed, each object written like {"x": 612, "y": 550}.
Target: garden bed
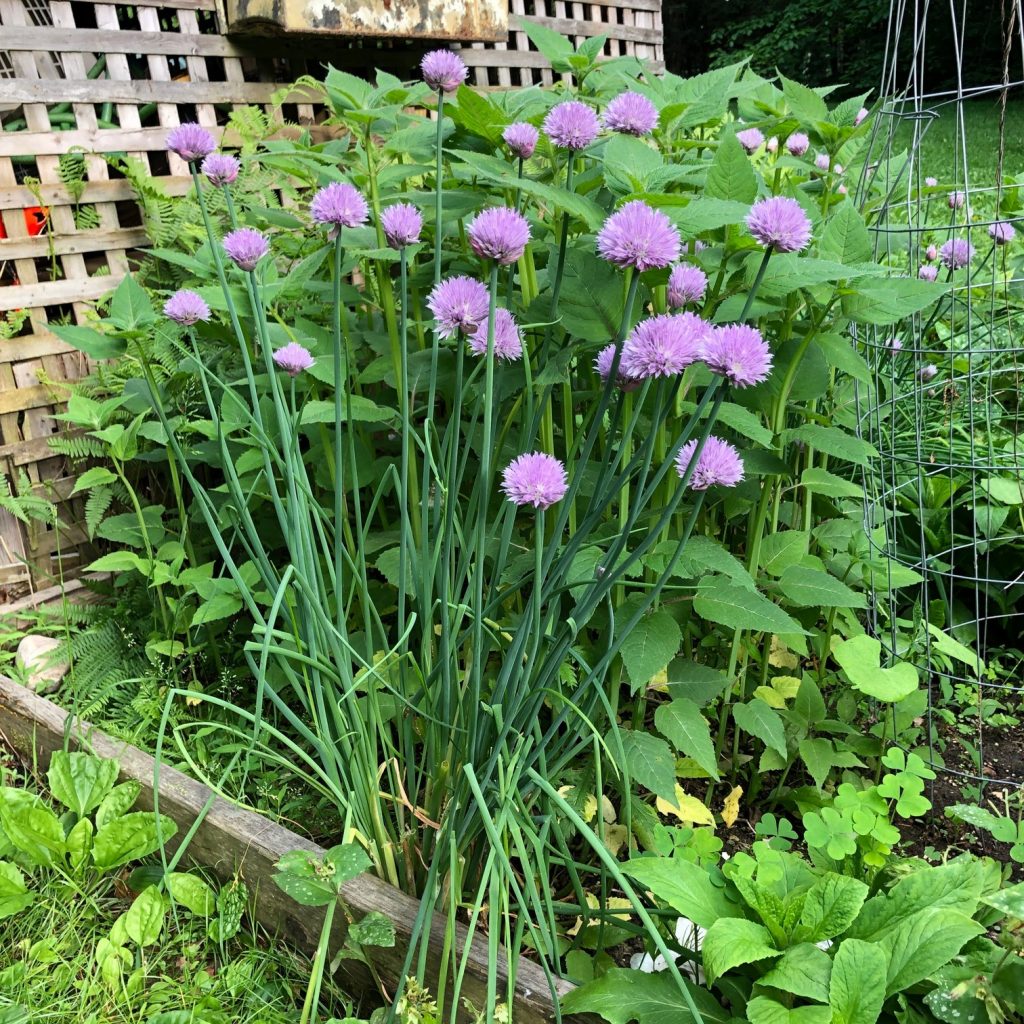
{"x": 232, "y": 841}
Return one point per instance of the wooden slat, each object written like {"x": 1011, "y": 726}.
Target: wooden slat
{"x": 581, "y": 29}
{"x": 177, "y": 5}
{"x": 18, "y": 399}
{"x": 64, "y": 244}
{"x": 31, "y": 346}
{"x": 16, "y": 197}
{"x": 106, "y": 90}
{"x": 54, "y": 293}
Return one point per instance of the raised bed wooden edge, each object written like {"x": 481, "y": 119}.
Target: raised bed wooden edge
{"x": 232, "y": 841}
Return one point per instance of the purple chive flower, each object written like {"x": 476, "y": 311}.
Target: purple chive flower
{"x": 931, "y": 254}
{"x": 402, "y": 224}
{"x": 603, "y": 365}
{"x": 719, "y": 463}
{"x": 822, "y": 161}
{"x": 535, "y": 479}
{"x": 459, "y": 304}
{"x": 521, "y": 138}
{"x": 772, "y": 145}
{"x": 861, "y": 114}
{"x": 293, "y": 358}
{"x": 686, "y": 284}
{"x": 798, "y": 143}
{"x": 340, "y": 205}
{"x": 499, "y": 233}
{"x": 1002, "y": 232}
{"x": 956, "y": 253}
{"x": 750, "y": 138}
{"x": 928, "y": 273}
{"x": 956, "y": 200}
{"x": 895, "y": 344}
{"x": 842, "y": 190}
{"x": 186, "y": 308}
{"x": 638, "y": 236}
{"x": 572, "y": 125}
{"x": 739, "y": 353}
{"x": 443, "y": 70}
{"x": 508, "y": 342}
{"x": 221, "y": 169}
{"x": 662, "y": 346}
{"x": 190, "y": 141}
{"x": 245, "y": 247}
{"x": 631, "y": 114}
{"x": 781, "y": 223}
{"x": 928, "y": 373}
{"x": 931, "y": 182}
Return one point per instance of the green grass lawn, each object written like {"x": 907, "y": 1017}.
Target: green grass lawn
{"x": 942, "y": 146}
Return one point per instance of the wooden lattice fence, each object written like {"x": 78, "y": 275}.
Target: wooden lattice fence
{"x": 78, "y": 76}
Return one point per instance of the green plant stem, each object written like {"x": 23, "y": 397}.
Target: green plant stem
{"x": 439, "y": 146}
{"x": 339, "y": 462}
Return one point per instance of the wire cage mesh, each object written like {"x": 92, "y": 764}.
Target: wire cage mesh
{"x": 945, "y": 504}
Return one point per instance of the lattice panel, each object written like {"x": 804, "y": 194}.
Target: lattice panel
{"x": 102, "y": 78}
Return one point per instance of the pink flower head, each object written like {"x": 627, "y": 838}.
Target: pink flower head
{"x": 631, "y": 114}
{"x": 521, "y": 138}
{"x": 750, "y": 138}
{"x": 245, "y": 247}
{"x": 931, "y": 254}
{"x": 931, "y": 182}
{"x": 928, "y": 373}
{"x": 781, "y": 223}
{"x": 662, "y": 346}
{"x": 293, "y": 358}
{"x": 956, "y": 253}
{"x": 798, "y": 143}
{"x": 638, "y": 236}
{"x": 822, "y": 161}
{"x": 895, "y": 344}
{"x": 190, "y": 141}
{"x": 1002, "y": 232}
{"x": 499, "y": 233}
{"x": 443, "y": 70}
{"x": 340, "y": 205}
{"x": 402, "y": 224}
{"x": 739, "y": 353}
{"x": 508, "y": 342}
{"x": 719, "y": 463}
{"x": 842, "y": 190}
{"x": 838, "y": 168}
{"x": 572, "y": 125}
{"x": 956, "y": 200}
{"x": 686, "y": 284}
{"x": 535, "y": 479}
{"x": 221, "y": 169}
{"x": 459, "y": 304}
{"x": 186, "y": 307}
{"x": 772, "y": 145}
{"x": 928, "y": 272}
{"x": 861, "y": 114}
{"x": 603, "y": 364}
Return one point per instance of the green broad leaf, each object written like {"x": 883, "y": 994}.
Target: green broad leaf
{"x": 952, "y": 648}
{"x": 92, "y": 343}
{"x": 130, "y": 308}
{"x": 628, "y": 164}
{"x": 81, "y": 781}
{"x": 804, "y": 103}
{"x": 762, "y": 1010}
{"x": 220, "y": 606}
{"x": 919, "y": 945}
{"x": 347, "y": 861}
{"x": 388, "y": 564}
{"x": 14, "y": 894}
{"x": 191, "y": 892}
{"x": 803, "y": 971}
{"x": 732, "y": 942}
{"x": 553, "y": 45}
{"x": 856, "y": 988}
{"x": 130, "y": 837}
{"x": 649, "y": 762}
{"x": 1009, "y": 901}
{"x": 789, "y": 273}
{"x": 696, "y": 216}
{"x": 833, "y": 441}
{"x": 592, "y": 301}
{"x": 845, "y": 237}
{"x": 887, "y": 300}
{"x": 681, "y": 721}
{"x": 762, "y": 721}
{"x": 731, "y": 175}
{"x": 703, "y": 555}
{"x": 819, "y": 756}
{"x": 860, "y": 659}
{"x": 621, "y": 995}
{"x": 79, "y": 844}
{"x": 742, "y": 420}
{"x": 783, "y": 549}
{"x": 144, "y": 919}
{"x": 821, "y": 481}
{"x": 121, "y": 561}
{"x": 807, "y": 587}
{"x": 33, "y": 829}
{"x": 685, "y": 886}
{"x": 840, "y": 351}
{"x": 648, "y": 648}
{"x": 373, "y": 930}
{"x": 1003, "y": 490}
{"x": 95, "y": 477}
{"x": 118, "y": 801}
{"x": 736, "y": 606}
{"x": 700, "y": 684}
{"x": 478, "y": 114}
{"x": 357, "y": 408}
{"x": 830, "y": 907}
{"x": 301, "y": 876}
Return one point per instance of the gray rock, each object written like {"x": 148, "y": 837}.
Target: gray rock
{"x": 43, "y": 673}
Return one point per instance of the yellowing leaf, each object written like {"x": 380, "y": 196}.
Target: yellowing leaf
{"x": 611, "y": 903}
{"x": 607, "y": 810}
{"x": 780, "y": 656}
{"x": 659, "y": 681}
{"x": 687, "y": 808}
{"x": 786, "y": 686}
{"x": 614, "y": 836}
{"x": 731, "y": 807}
{"x": 771, "y": 697}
